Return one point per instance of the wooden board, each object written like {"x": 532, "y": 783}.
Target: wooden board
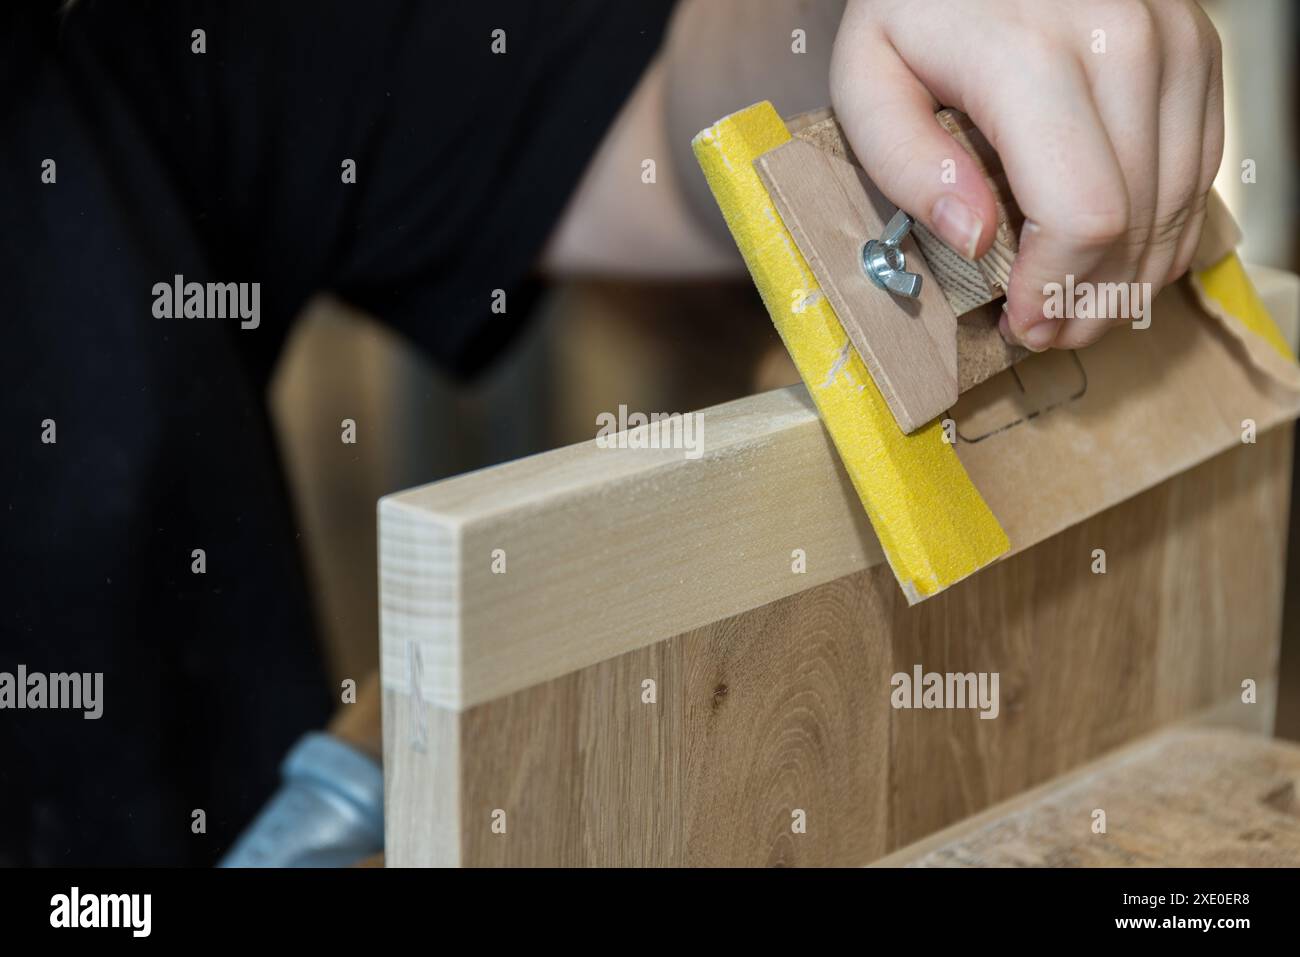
{"x": 786, "y": 707}
{"x": 1181, "y": 798}
{"x": 608, "y": 550}
{"x": 594, "y": 775}
{"x": 519, "y": 697}
{"x": 909, "y": 345}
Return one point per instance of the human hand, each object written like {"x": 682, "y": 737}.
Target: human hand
{"x": 1110, "y": 140}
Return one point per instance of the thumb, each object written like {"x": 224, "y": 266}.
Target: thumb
{"x": 888, "y": 116}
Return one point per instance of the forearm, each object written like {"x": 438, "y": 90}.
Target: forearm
{"x": 720, "y": 55}
{"x": 629, "y": 220}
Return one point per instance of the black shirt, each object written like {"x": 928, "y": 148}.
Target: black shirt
{"x": 227, "y": 166}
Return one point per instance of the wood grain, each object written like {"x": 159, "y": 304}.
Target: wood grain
{"x": 755, "y": 717}
{"x": 995, "y": 265}
{"x": 787, "y": 706}
{"x": 521, "y": 693}
{"x": 1180, "y": 798}
{"x": 1089, "y": 661}
{"x": 784, "y": 714}
{"x": 422, "y": 773}
{"x": 609, "y": 550}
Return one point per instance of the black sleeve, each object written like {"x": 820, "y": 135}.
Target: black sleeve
{"x": 464, "y": 156}
{"x": 477, "y": 156}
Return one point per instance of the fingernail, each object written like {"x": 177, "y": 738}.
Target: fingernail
{"x": 1039, "y": 336}
{"x": 958, "y": 224}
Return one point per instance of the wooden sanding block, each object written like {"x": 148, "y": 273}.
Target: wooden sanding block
{"x": 925, "y": 348}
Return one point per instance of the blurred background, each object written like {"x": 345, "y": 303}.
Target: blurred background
{"x": 658, "y": 346}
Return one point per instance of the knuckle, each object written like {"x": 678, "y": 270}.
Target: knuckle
{"x": 1035, "y": 49}
{"x": 1208, "y": 42}
{"x": 1136, "y": 22}
{"x": 890, "y": 164}
{"x": 1195, "y": 30}
{"x": 1097, "y": 226}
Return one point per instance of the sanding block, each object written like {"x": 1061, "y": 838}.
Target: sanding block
{"x": 887, "y": 334}
{"x": 934, "y": 527}
{"x": 898, "y": 290}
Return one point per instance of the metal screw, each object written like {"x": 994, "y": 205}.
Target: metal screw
{"x": 884, "y": 263}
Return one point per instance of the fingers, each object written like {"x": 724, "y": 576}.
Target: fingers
{"x": 1210, "y": 52}
{"x": 1066, "y": 177}
{"x": 1037, "y": 110}
{"x": 888, "y": 117}
{"x": 1184, "y": 83}
{"x": 1169, "y": 174}
{"x": 1126, "y": 78}
{"x": 1107, "y": 118}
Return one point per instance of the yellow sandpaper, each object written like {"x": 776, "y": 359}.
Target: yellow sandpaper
{"x": 933, "y": 525}
{"x": 1227, "y": 284}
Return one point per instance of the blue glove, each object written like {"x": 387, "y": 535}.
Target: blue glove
{"x": 329, "y": 812}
